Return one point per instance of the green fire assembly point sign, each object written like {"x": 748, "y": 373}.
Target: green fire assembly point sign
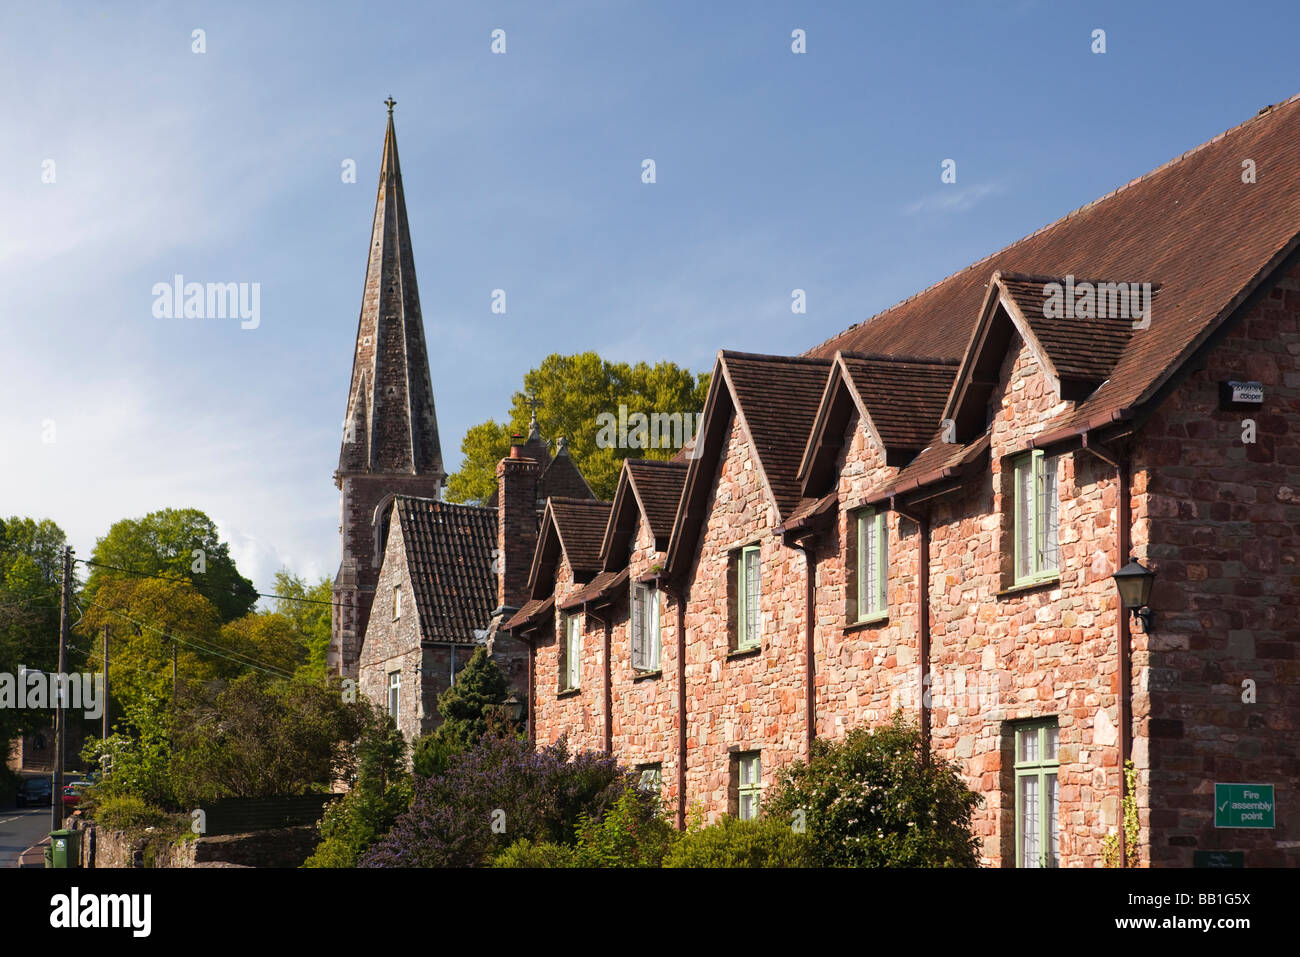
{"x": 1243, "y": 805}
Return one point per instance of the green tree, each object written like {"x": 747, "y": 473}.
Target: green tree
{"x": 261, "y": 737}
{"x": 309, "y": 610}
{"x": 138, "y": 752}
{"x": 467, "y": 710}
{"x": 30, "y": 573}
{"x": 768, "y": 842}
{"x": 573, "y": 392}
{"x": 175, "y": 543}
{"x": 270, "y": 638}
{"x": 367, "y": 812}
{"x": 143, "y": 615}
{"x": 871, "y": 801}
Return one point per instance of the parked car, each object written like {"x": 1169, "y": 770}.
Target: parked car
{"x": 72, "y": 793}
{"x": 35, "y": 791}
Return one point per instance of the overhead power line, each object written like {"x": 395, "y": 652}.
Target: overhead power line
{"x": 238, "y": 657}
{"x": 190, "y": 581}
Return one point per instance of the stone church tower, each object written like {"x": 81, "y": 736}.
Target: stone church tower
{"x": 390, "y": 432}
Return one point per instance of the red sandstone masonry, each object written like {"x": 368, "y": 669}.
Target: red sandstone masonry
{"x": 580, "y": 714}
{"x": 1225, "y": 541}
{"x": 753, "y": 700}
{"x": 1217, "y": 520}
{"x": 645, "y": 706}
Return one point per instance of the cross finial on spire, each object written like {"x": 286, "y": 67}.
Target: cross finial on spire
{"x": 533, "y": 430}
{"x": 390, "y": 103}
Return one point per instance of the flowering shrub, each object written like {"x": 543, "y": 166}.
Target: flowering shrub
{"x": 870, "y": 801}
{"x": 494, "y": 795}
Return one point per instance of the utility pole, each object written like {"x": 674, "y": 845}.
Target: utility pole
{"x": 105, "y": 691}
{"x": 60, "y": 684}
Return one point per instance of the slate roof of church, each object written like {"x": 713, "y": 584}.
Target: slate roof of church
{"x": 449, "y": 557}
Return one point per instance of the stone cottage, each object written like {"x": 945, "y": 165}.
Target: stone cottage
{"x": 928, "y": 510}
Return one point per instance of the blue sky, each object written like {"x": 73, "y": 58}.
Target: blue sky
{"x": 775, "y": 171}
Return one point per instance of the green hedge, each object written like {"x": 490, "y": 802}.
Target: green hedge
{"x": 731, "y": 842}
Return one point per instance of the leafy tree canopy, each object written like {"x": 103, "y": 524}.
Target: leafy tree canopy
{"x": 264, "y": 738}
{"x": 175, "y": 543}
{"x": 142, "y": 614}
{"x": 575, "y": 395}
{"x": 29, "y": 607}
{"x": 310, "y": 617}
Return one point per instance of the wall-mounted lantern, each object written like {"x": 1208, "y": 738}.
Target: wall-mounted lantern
{"x": 1134, "y": 584}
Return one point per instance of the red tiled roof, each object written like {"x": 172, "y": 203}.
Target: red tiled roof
{"x": 1192, "y": 227}
{"x": 1080, "y": 348}
{"x": 937, "y": 462}
{"x": 562, "y": 479}
{"x": 658, "y": 486}
{"x": 810, "y": 510}
{"x": 647, "y": 488}
{"x": 581, "y": 525}
{"x": 777, "y": 398}
{"x": 600, "y": 586}
{"x": 449, "y": 551}
{"x": 903, "y": 396}
{"x": 530, "y": 613}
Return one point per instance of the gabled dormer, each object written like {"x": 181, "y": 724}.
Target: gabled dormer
{"x": 568, "y": 544}
{"x": 645, "y": 504}
{"x": 767, "y": 403}
{"x": 897, "y": 402}
{"x": 1075, "y": 329}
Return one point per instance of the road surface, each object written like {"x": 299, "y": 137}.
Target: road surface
{"x": 20, "y": 828}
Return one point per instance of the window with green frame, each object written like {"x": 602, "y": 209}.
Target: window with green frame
{"x": 570, "y": 651}
{"x": 1037, "y": 517}
{"x": 749, "y": 777}
{"x": 873, "y": 565}
{"x": 652, "y": 778}
{"x": 1036, "y": 793}
{"x": 748, "y": 588}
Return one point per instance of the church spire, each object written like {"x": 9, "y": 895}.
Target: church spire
{"x": 390, "y": 425}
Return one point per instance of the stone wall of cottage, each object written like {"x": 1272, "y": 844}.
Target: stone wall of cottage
{"x": 864, "y": 671}
{"x": 753, "y": 700}
{"x": 359, "y": 496}
{"x": 1225, "y": 546}
{"x": 644, "y": 706}
{"x": 394, "y": 644}
{"x": 1000, "y": 655}
{"x": 577, "y": 714}
{"x": 1217, "y": 519}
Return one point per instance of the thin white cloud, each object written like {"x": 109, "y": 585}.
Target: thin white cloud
{"x": 953, "y": 198}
